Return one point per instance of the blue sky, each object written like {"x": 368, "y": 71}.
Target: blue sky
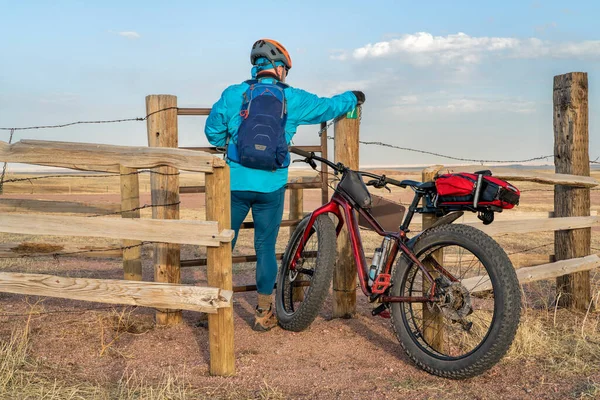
{"x": 464, "y": 78}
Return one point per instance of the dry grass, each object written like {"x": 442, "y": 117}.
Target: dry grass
{"x": 557, "y": 341}
{"x": 23, "y": 377}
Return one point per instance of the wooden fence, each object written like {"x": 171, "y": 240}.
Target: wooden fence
{"x": 165, "y": 294}
{"x": 571, "y": 219}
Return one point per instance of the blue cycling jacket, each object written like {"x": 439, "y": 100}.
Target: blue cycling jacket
{"x": 303, "y": 108}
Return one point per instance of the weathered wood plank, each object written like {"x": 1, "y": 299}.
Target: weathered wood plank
{"x": 130, "y": 200}
{"x": 511, "y": 215}
{"x": 572, "y": 156}
{"x": 346, "y": 151}
{"x": 537, "y": 273}
{"x": 433, "y": 320}
{"x": 34, "y": 249}
{"x": 48, "y": 206}
{"x": 163, "y": 132}
{"x": 219, "y": 273}
{"x": 202, "y": 233}
{"x": 535, "y": 225}
{"x": 193, "y": 111}
{"x": 550, "y": 179}
{"x": 146, "y": 294}
{"x": 104, "y": 157}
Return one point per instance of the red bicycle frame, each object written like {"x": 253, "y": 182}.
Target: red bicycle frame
{"x": 339, "y": 204}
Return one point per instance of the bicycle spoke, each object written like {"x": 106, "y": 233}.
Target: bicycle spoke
{"x": 448, "y": 337}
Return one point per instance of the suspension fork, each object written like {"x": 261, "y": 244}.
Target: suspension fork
{"x": 333, "y": 207}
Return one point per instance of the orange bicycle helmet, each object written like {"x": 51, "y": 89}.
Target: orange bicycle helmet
{"x": 272, "y": 51}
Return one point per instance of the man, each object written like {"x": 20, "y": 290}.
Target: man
{"x": 258, "y": 157}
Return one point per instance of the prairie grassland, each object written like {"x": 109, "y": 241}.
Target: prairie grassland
{"x": 563, "y": 345}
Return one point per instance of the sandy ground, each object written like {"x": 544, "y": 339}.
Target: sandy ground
{"x": 354, "y": 358}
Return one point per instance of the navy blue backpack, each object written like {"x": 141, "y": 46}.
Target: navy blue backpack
{"x": 261, "y": 142}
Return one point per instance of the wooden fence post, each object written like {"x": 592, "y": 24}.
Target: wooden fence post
{"x": 219, "y": 271}
{"x": 296, "y": 203}
{"x": 130, "y": 199}
{"x": 297, "y": 212}
{"x": 324, "y": 167}
{"x": 571, "y": 156}
{"x": 164, "y": 186}
{"x": 432, "y": 320}
{"x": 344, "y": 275}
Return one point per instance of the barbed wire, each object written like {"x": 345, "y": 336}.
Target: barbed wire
{"x": 89, "y": 122}
{"x": 320, "y": 132}
{"x": 446, "y": 156}
{"x": 136, "y": 209}
{"x": 536, "y": 190}
{"x": 531, "y": 249}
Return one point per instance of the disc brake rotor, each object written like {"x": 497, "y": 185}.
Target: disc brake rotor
{"x": 456, "y": 303}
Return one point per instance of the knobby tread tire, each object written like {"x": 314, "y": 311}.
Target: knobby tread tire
{"x": 507, "y": 293}
{"x": 315, "y": 296}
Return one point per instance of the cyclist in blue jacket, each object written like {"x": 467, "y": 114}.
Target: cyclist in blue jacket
{"x": 263, "y": 190}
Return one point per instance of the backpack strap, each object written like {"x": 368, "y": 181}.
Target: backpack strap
{"x": 247, "y": 97}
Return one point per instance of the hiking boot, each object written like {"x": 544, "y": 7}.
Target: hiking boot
{"x": 264, "y": 320}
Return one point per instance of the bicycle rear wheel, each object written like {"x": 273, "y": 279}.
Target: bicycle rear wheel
{"x": 301, "y": 292}
{"x": 472, "y": 328}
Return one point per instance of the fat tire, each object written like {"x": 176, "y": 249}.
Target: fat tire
{"x": 507, "y": 307}
{"x": 315, "y": 296}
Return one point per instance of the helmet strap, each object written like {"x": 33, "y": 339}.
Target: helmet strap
{"x": 279, "y": 78}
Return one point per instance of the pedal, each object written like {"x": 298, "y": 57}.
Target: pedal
{"x": 381, "y": 283}
{"x": 381, "y": 310}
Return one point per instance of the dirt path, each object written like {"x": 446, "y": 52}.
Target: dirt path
{"x": 334, "y": 359}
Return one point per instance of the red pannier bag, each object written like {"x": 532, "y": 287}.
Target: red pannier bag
{"x": 479, "y": 191}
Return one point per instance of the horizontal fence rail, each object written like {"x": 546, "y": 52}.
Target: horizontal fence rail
{"x": 202, "y": 233}
{"x": 112, "y": 291}
{"x": 40, "y": 249}
{"x": 536, "y": 225}
{"x": 538, "y": 272}
{"x": 550, "y": 179}
{"x": 49, "y": 206}
{"x": 105, "y": 158}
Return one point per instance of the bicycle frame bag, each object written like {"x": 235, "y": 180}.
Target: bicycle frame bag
{"x": 479, "y": 191}
{"x": 353, "y": 186}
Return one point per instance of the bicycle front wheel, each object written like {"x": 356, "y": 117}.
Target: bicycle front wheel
{"x": 301, "y": 292}
{"x": 472, "y": 326}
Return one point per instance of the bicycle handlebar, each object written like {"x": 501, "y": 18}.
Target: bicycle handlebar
{"x": 309, "y": 156}
{"x": 339, "y": 167}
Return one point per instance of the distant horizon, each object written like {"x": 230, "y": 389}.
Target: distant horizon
{"x": 35, "y": 169}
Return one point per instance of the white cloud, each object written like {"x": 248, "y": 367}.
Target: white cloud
{"x": 338, "y": 55}
{"x": 333, "y": 88}
{"x": 422, "y": 49}
{"x": 403, "y": 100}
{"x": 442, "y": 102}
{"x": 129, "y": 34}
